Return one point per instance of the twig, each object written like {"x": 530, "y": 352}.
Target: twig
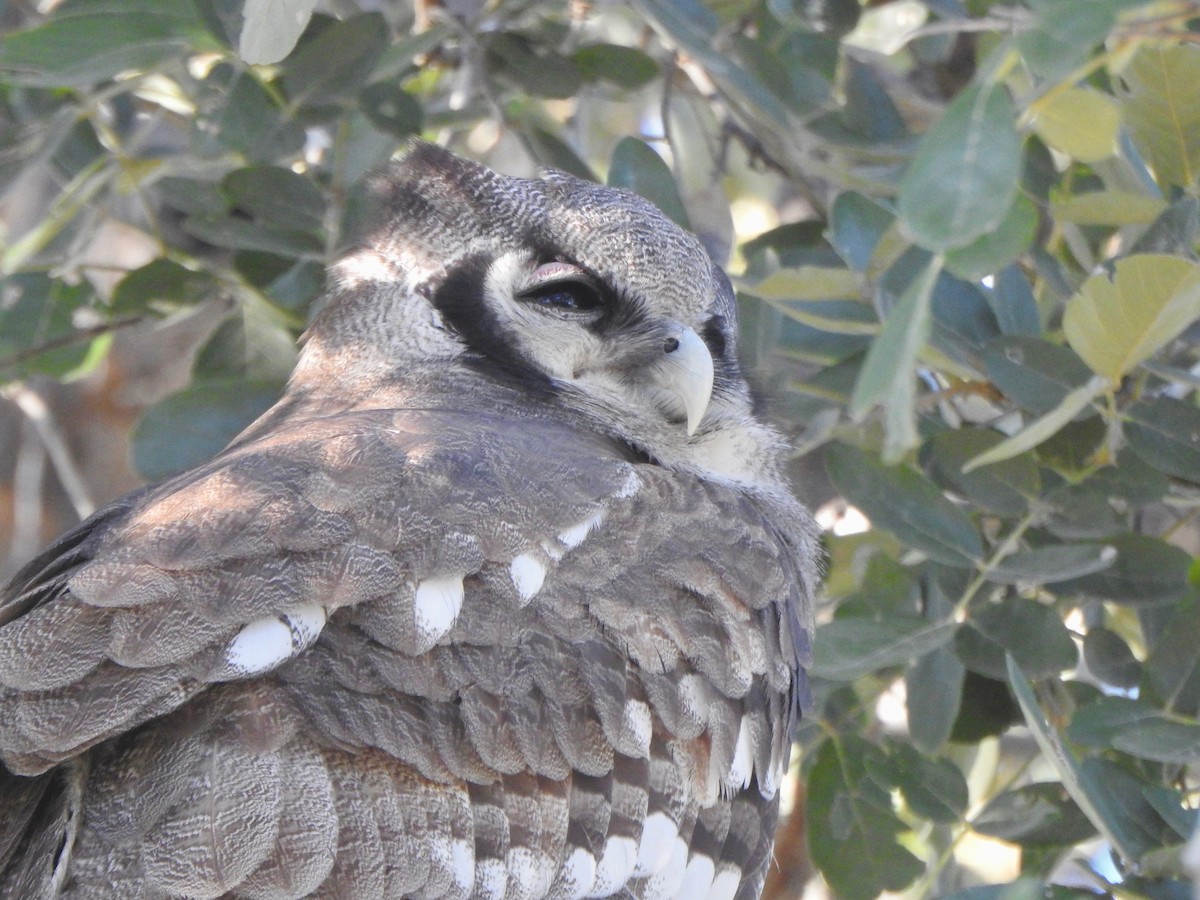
{"x": 83, "y": 334}
{"x": 32, "y": 404}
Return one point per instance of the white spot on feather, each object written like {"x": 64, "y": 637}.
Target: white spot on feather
{"x": 631, "y": 486}
{"x": 743, "y": 757}
{"x": 666, "y": 883}
{"x": 266, "y": 643}
{"x": 531, "y": 878}
{"x": 462, "y": 864}
{"x": 436, "y": 605}
{"x": 659, "y": 832}
{"x": 636, "y": 728}
{"x": 726, "y": 884}
{"x": 491, "y": 879}
{"x": 578, "y": 873}
{"x": 697, "y": 878}
{"x": 528, "y": 574}
{"x": 575, "y": 535}
{"x": 615, "y": 867}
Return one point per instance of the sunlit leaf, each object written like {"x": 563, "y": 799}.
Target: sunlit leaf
{"x": 1040, "y": 429}
{"x": 1116, "y": 324}
{"x": 887, "y": 375}
{"x": 1114, "y": 208}
{"x": 1162, "y": 108}
{"x": 808, "y": 283}
{"x": 272, "y": 28}
{"x": 1081, "y": 123}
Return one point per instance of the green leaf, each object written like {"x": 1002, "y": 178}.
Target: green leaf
{"x": 37, "y": 327}
{"x": 1137, "y": 729}
{"x": 626, "y": 67}
{"x": 334, "y": 65}
{"x": 533, "y": 67}
{"x": 846, "y": 649}
{"x": 1055, "y": 563}
{"x": 1111, "y": 208}
{"x": 161, "y": 282}
{"x": 888, "y": 373}
{"x": 240, "y": 234}
{"x": 1147, "y": 570}
{"x": 392, "y": 109}
{"x": 995, "y": 249}
{"x": 856, "y": 847}
{"x": 1165, "y": 432}
{"x": 1005, "y": 488}
{"x": 81, "y": 50}
{"x": 934, "y": 687}
{"x": 1080, "y": 122}
{"x": 933, "y": 788}
{"x": 905, "y": 503}
{"x": 192, "y": 426}
{"x": 1064, "y": 35}
{"x": 276, "y": 197}
{"x": 963, "y": 179}
{"x": 1173, "y": 665}
{"x": 807, "y": 283}
{"x": 1031, "y": 633}
{"x": 856, "y": 226}
{"x": 234, "y": 112}
{"x": 272, "y": 28}
{"x": 247, "y": 345}
{"x": 1116, "y": 324}
{"x": 1085, "y": 783}
{"x": 551, "y": 150}
{"x": 635, "y": 167}
{"x": 1036, "y": 815}
{"x": 1041, "y": 429}
{"x": 1033, "y": 373}
{"x": 1014, "y": 305}
{"x": 1109, "y": 658}
{"x": 1161, "y": 106}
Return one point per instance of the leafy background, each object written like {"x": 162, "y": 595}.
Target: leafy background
{"x": 964, "y": 236}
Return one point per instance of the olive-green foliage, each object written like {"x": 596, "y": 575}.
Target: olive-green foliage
{"x": 979, "y": 316}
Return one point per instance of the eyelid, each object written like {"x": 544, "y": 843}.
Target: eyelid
{"x": 566, "y": 278}
{"x": 558, "y": 272}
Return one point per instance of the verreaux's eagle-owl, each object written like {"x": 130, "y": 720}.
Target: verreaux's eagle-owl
{"x": 506, "y": 596}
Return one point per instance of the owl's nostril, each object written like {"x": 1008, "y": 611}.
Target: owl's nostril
{"x": 670, "y": 345}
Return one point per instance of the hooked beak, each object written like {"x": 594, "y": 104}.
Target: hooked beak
{"x": 686, "y": 370}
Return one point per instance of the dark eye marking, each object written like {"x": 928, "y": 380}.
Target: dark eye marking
{"x": 564, "y": 287}
{"x": 572, "y": 296}
{"x": 714, "y": 335}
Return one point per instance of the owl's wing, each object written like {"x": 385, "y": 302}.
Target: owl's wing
{"x": 386, "y": 653}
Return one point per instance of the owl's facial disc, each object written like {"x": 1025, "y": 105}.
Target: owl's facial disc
{"x": 577, "y": 329}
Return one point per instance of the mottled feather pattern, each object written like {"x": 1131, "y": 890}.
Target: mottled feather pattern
{"x": 434, "y": 640}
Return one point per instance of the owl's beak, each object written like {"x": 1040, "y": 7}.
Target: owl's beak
{"x": 687, "y": 372}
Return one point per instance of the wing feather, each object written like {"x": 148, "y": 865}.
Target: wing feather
{"x": 621, "y": 656}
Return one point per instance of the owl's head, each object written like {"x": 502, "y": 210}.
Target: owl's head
{"x": 579, "y": 293}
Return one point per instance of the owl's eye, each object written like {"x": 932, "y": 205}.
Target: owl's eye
{"x": 574, "y": 296}
{"x": 563, "y": 287}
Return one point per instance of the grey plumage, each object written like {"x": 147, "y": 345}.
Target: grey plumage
{"x": 506, "y": 596}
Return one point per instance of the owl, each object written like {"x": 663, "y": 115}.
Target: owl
{"x": 506, "y": 597}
